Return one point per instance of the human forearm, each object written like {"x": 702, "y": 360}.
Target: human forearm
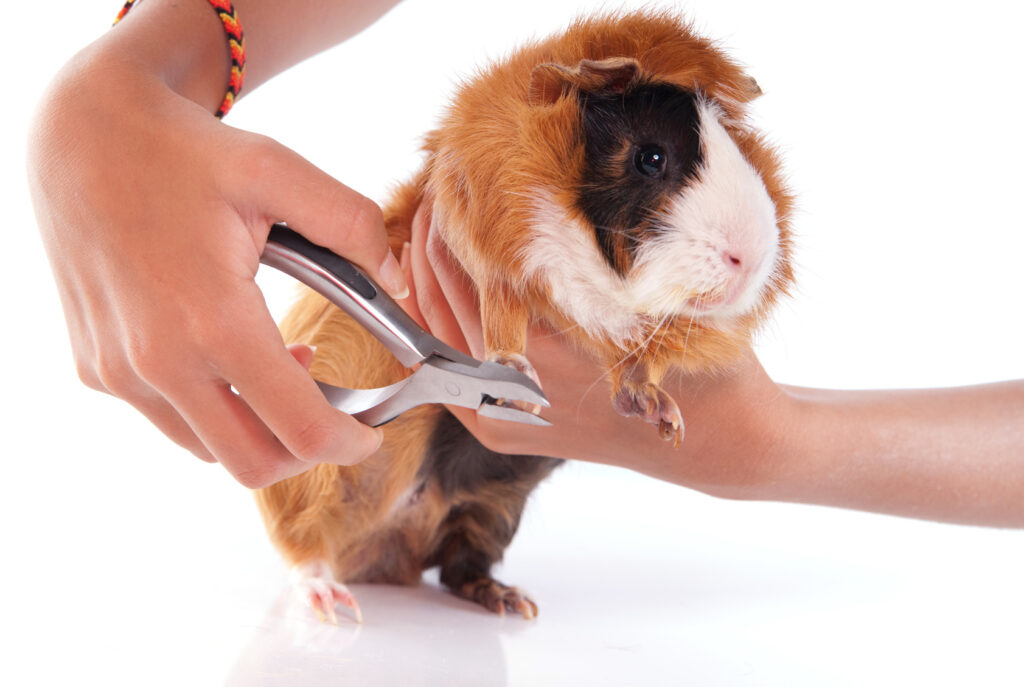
{"x": 944, "y": 454}
{"x": 183, "y": 44}
{"x": 154, "y": 234}
{"x": 954, "y": 455}
{"x": 951, "y": 454}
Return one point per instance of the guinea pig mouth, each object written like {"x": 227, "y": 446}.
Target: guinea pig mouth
{"x": 714, "y": 301}
{"x": 705, "y": 303}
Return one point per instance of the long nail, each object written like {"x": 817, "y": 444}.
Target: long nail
{"x": 393, "y": 278}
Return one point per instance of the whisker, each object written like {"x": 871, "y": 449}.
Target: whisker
{"x": 640, "y": 349}
{"x": 661, "y": 328}
{"x": 600, "y": 377}
{"x": 560, "y": 332}
{"x": 689, "y": 325}
{"x": 605, "y": 374}
{"x": 620, "y": 232}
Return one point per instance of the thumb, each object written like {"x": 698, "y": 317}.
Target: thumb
{"x": 302, "y": 353}
{"x": 328, "y": 213}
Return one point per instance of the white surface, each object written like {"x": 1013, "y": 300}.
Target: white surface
{"x": 129, "y": 562}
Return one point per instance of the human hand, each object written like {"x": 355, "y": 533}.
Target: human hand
{"x": 154, "y": 216}
{"x": 733, "y": 419}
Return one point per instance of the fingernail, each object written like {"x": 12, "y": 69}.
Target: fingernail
{"x": 380, "y": 438}
{"x": 393, "y": 278}
{"x": 312, "y": 349}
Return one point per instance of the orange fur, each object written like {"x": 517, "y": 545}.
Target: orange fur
{"x": 334, "y": 513}
{"x": 491, "y": 148}
{"x": 481, "y": 194}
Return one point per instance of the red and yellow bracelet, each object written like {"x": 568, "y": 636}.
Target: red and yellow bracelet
{"x": 236, "y": 43}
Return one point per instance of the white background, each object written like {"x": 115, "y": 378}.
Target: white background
{"x": 129, "y": 561}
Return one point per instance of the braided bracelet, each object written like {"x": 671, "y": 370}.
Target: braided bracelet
{"x": 236, "y": 43}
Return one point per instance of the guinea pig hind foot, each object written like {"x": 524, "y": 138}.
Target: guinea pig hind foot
{"x": 652, "y": 404}
{"x": 316, "y": 586}
{"x": 498, "y": 598}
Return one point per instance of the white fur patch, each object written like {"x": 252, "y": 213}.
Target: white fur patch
{"x": 564, "y": 254}
{"x": 315, "y": 585}
{"x": 726, "y": 212}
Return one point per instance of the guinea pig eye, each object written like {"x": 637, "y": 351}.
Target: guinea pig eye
{"x": 650, "y": 160}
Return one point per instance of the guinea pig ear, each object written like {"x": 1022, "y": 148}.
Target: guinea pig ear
{"x": 750, "y": 89}
{"x": 550, "y": 81}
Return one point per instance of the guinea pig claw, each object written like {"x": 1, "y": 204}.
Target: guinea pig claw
{"x": 671, "y": 431}
{"x": 319, "y": 613}
{"x": 527, "y": 608}
{"x": 323, "y": 602}
{"x": 524, "y": 406}
{"x": 519, "y": 363}
{"x": 499, "y": 598}
{"x": 315, "y": 583}
{"x": 358, "y": 613}
{"x": 331, "y": 614}
{"x": 649, "y": 402}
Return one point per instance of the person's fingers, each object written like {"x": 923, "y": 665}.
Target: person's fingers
{"x": 302, "y": 353}
{"x": 115, "y": 375}
{"x": 163, "y": 415}
{"x": 234, "y": 434}
{"x": 293, "y": 190}
{"x": 459, "y": 293}
{"x": 410, "y": 304}
{"x": 287, "y": 400}
{"x": 431, "y": 304}
{"x": 431, "y": 299}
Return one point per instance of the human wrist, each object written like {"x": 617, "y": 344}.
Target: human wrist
{"x": 744, "y": 437}
{"x": 779, "y": 443}
{"x": 182, "y": 45}
{"x": 100, "y": 94}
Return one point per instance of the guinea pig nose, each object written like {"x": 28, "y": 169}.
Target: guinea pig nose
{"x": 732, "y": 260}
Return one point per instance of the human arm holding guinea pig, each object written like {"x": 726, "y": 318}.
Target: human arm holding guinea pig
{"x": 154, "y": 215}
{"x": 953, "y": 455}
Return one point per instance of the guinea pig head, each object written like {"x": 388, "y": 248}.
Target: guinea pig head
{"x": 668, "y": 216}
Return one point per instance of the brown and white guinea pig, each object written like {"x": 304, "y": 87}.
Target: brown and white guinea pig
{"x": 604, "y": 181}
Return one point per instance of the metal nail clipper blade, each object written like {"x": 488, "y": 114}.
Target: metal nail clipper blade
{"x": 444, "y": 375}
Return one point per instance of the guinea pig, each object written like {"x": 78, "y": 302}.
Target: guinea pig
{"x": 604, "y": 181}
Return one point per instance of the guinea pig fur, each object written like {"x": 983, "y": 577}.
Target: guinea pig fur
{"x": 604, "y": 181}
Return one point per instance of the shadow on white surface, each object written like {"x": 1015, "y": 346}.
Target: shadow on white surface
{"x": 620, "y": 622}
{"x": 411, "y": 636}
{"x": 713, "y": 593}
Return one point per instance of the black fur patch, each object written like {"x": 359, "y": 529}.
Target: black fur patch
{"x": 476, "y": 530}
{"x": 617, "y": 197}
{"x": 461, "y": 464}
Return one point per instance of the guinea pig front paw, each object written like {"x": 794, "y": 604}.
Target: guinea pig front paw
{"x": 649, "y": 402}
{"x": 518, "y": 362}
{"x": 315, "y": 584}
